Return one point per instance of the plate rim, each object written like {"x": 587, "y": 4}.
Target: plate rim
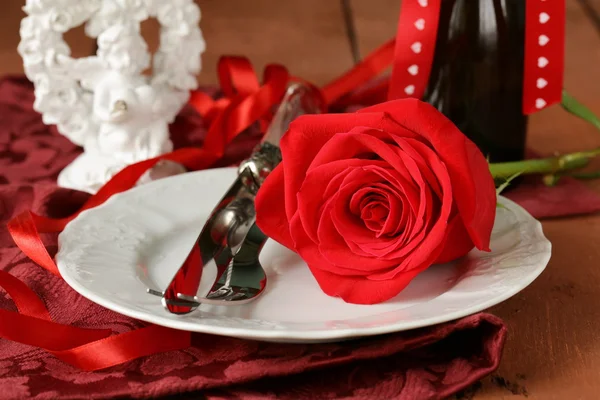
{"x": 290, "y": 335}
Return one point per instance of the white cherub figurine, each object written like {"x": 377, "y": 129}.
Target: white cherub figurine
{"x": 105, "y": 103}
{"x": 131, "y": 114}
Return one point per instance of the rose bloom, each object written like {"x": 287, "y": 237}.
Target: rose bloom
{"x": 371, "y": 199}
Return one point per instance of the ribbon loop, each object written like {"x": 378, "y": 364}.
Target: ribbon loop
{"x": 237, "y": 76}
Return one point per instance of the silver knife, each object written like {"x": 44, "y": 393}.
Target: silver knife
{"x": 230, "y": 236}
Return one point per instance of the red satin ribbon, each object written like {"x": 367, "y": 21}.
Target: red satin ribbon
{"x": 245, "y": 102}
{"x": 87, "y": 349}
{"x": 363, "y": 72}
{"x": 544, "y": 54}
{"x": 544, "y": 51}
{"x": 415, "y": 47}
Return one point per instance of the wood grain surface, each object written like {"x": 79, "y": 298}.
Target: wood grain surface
{"x": 553, "y": 350}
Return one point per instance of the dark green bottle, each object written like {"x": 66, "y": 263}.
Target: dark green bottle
{"x": 477, "y": 73}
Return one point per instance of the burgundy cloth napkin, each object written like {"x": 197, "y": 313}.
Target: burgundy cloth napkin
{"x": 428, "y": 363}
{"x": 570, "y": 197}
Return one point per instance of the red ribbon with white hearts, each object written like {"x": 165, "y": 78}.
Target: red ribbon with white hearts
{"x": 544, "y": 51}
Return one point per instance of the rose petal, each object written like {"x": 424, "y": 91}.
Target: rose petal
{"x": 320, "y": 184}
{"x": 364, "y": 140}
{"x": 338, "y": 255}
{"x": 347, "y": 145}
{"x": 334, "y": 248}
{"x": 431, "y": 244}
{"x": 356, "y": 289}
{"x": 399, "y": 221}
{"x": 351, "y": 263}
{"x": 408, "y": 194}
{"x": 352, "y": 289}
{"x": 304, "y": 140}
{"x": 457, "y": 243}
{"x": 270, "y": 210}
{"x": 398, "y": 183}
{"x": 400, "y": 161}
{"x": 301, "y": 239}
{"x": 422, "y": 156}
{"x": 400, "y": 216}
{"x": 474, "y": 190}
{"x": 374, "y": 216}
{"x": 350, "y": 226}
{"x": 347, "y": 222}
{"x": 376, "y": 212}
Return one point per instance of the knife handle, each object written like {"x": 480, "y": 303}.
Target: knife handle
{"x": 260, "y": 164}
{"x": 298, "y": 100}
{"x": 232, "y": 223}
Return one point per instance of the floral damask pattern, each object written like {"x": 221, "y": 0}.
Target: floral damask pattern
{"x": 426, "y": 364}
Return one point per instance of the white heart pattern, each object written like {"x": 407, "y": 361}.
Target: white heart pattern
{"x": 409, "y": 90}
{"x": 540, "y": 103}
{"x": 542, "y": 62}
{"x": 413, "y": 70}
{"x": 543, "y": 40}
{"x": 423, "y": 3}
{"x": 542, "y": 83}
{"x": 544, "y": 17}
{"x": 416, "y": 47}
{"x": 420, "y": 24}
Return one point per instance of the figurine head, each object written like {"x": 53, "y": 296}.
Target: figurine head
{"x": 120, "y": 45}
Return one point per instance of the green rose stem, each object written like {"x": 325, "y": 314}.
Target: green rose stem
{"x": 555, "y": 167}
{"x": 550, "y": 165}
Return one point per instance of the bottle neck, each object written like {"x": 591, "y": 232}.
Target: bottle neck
{"x": 477, "y": 73}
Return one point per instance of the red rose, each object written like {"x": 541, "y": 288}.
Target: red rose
{"x": 371, "y": 199}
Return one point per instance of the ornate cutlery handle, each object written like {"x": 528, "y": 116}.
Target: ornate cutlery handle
{"x": 299, "y": 99}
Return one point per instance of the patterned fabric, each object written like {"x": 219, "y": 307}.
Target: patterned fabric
{"x": 423, "y": 364}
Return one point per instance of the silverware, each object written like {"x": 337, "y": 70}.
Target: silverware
{"x": 240, "y": 280}
{"x": 228, "y": 222}
{"x": 230, "y": 237}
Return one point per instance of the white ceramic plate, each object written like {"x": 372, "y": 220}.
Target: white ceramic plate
{"x": 137, "y": 239}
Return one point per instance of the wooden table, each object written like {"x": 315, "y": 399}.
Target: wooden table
{"x": 553, "y": 350}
